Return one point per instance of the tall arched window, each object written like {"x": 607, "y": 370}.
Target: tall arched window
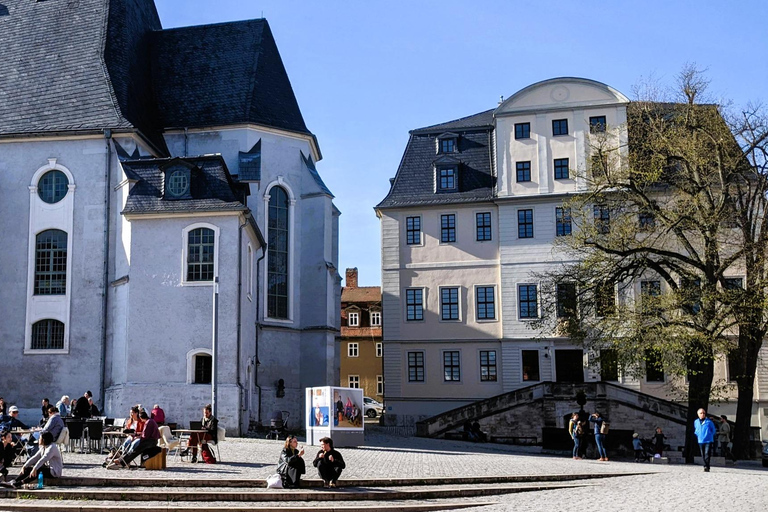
{"x": 47, "y": 335}
{"x": 200, "y": 254}
{"x": 277, "y": 272}
{"x": 51, "y": 263}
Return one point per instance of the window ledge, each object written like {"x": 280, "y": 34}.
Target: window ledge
{"x": 197, "y": 283}
{"x": 33, "y": 352}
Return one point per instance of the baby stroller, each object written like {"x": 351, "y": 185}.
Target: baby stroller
{"x": 278, "y": 424}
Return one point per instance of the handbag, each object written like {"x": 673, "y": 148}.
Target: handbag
{"x": 604, "y": 428}
{"x": 274, "y": 482}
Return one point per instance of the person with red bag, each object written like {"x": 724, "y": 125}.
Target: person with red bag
{"x": 211, "y": 426}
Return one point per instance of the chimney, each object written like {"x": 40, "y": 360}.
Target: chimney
{"x": 351, "y": 281}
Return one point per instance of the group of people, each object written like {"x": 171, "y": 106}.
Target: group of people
{"x": 578, "y": 428}
{"x": 328, "y": 461}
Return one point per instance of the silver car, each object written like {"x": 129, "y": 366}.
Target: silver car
{"x": 372, "y": 408}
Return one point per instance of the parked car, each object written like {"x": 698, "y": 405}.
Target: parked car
{"x": 372, "y": 408}
{"x": 765, "y": 455}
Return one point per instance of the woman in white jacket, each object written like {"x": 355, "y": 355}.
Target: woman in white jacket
{"x": 47, "y": 461}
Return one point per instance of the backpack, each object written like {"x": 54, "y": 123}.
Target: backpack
{"x": 604, "y": 427}
{"x": 579, "y": 429}
{"x": 207, "y": 454}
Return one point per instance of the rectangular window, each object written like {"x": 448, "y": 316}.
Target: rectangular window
{"x": 602, "y": 218}
{"x": 354, "y": 381}
{"x": 566, "y": 300}
{"x": 448, "y": 228}
{"x": 560, "y": 127}
{"x": 561, "y": 169}
{"x": 447, "y": 179}
{"x": 528, "y": 300}
{"x": 654, "y": 367}
{"x": 203, "y": 368}
{"x": 733, "y": 365}
{"x": 483, "y": 223}
{"x": 522, "y": 130}
{"x": 486, "y": 306}
{"x": 609, "y": 365}
{"x": 605, "y": 299}
{"x": 375, "y": 318}
{"x": 531, "y": 365}
{"x": 414, "y": 303}
{"x": 734, "y": 283}
{"x": 451, "y": 366}
{"x": 597, "y": 124}
{"x": 525, "y": 223}
{"x": 379, "y": 384}
{"x": 415, "y": 366}
{"x": 646, "y": 220}
{"x": 523, "y": 171}
{"x": 649, "y": 292}
{"x": 449, "y": 303}
{"x": 448, "y": 145}
{"x": 413, "y": 230}
{"x": 200, "y": 254}
{"x": 353, "y": 319}
{"x": 353, "y": 350}
{"x": 563, "y": 221}
{"x": 379, "y": 349}
{"x": 488, "y": 366}
{"x": 690, "y": 289}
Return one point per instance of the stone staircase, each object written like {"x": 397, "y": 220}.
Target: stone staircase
{"x": 389, "y": 495}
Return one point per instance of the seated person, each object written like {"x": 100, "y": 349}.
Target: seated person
{"x": 291, "y": 465}
{"x": 7, "y": 453}
{"x": 210, "y": 425}
{"x": 133, "y": 426}
{"x": 329, "y": 463}
{"x": 47, "y": 460}
{"x": 44, "y": 409}
{"x": 150, "y": 435}
{"x": 63, "y": 406}
{"x": 54, "y": 425}
{"x": 11, "y": 421}
{"x": 94, "y": 410}
{"x": 158, "y": 415}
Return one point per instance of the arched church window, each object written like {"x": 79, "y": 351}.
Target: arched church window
{"x": 200, "y": 254}
{"x": 51, "y": 263}
{"x": 47, "y": 335}
{"x": 277, "y": 272}
{"x": 52, "y": 186}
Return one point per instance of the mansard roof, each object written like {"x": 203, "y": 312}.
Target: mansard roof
{"x": 414, "y": 184}
{"x": 215, "y": 190}
{"x": 92, "y": 65}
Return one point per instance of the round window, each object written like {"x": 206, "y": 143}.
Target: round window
{"x": 178, "y": 182}
{"x": 52, "y": 187}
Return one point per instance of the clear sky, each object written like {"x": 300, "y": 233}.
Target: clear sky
{"x": 365, "y": 72}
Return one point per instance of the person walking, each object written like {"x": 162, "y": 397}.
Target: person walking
{"x": 600, "y": 428}
{"x": 705, "y": 434}
{"x": 724, "y": 436}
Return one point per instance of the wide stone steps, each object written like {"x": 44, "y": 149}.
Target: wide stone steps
{"x": 408, "y": 494}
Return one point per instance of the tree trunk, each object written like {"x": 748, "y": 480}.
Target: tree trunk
{"x": 750, "y": 341}
{"x": 701, "y": 371}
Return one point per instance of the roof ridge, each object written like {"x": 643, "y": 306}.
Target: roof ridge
{"x": 205, "y": 25}
{"x": 425, "y": 128}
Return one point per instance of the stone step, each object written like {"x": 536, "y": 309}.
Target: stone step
{"x": 339, "y": 494}
{"x": 155, "y": 479}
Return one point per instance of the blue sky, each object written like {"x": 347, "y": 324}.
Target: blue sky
{"x": 366, "y": 72}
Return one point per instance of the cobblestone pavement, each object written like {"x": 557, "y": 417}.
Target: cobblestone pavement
{"x": 665, "y": 487}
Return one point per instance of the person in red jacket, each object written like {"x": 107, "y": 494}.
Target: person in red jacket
{"x": 158, "y": 415}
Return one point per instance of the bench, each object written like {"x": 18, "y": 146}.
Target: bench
{"x": 156, "y": 461}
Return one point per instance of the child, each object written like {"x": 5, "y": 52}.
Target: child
{"x": 638, "y": 446}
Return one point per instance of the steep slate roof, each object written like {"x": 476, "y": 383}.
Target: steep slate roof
{"x": 96, "y": 64}
{"x": 414, "y": 183}
{"x": 219, "y": 192}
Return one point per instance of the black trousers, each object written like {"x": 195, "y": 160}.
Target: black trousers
{"x": 292, "y": 474}
{"x": 25, "y": 478}
{"x": 144, "y": 445}
{"x": 328, "y": 471}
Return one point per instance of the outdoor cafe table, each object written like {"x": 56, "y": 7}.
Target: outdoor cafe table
{"x": 184, "y": 435}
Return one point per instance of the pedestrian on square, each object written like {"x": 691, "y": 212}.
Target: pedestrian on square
{"x": 724, "y": 436}
{"x": 658, "y": 442}
{"x": 329, "y": 463}
{"x": 705, "y": 434}
{"x": 637, "y": 445}
{"x": 575, "y": 430}
{"x": 598, "y": 421}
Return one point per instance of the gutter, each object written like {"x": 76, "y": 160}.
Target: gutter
{"x": 258, "y": 323}
{"x": 105, "y": 276}
{"x": 239, "y": 313}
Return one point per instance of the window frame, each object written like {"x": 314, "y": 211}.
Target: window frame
{"x": 353, "y": 381}
{"x": 522, "y": 131}
{"x": 55, "y": 186}
{"x": 379, "y": 349}
{"x": 353, "y": 349}
{"x": 50, "y": 258}
{"x": 416, "y": 366}
{"x": 535, "y": 287}
{"x": 375, "y": 318}
{"x": 563, "y": 221}
{"x": 419, "y": 304}
{"x": 558, "y": 165}
{"x": 51, "y": 325}
{"x": 453, "y": 367}
{"x": 191, "y": 363}
{"x": 490, "y": 367}
{"x": 562, "y": 301}
{"x": 356, "y": 319}
{"x": 602, "y": 217}
{"x": 185, "y": 253}
{"x": 595, "y": 126}
{"x": 524, "y": 234}
{"x": 560, "y": 127}
{"x": 411, "y": 232}
{"x": 457, "y": 303}
{"x": 521, "y": 167}
{"x": 451, "y": 141}
{"x": 485, "y": 287}
{"x": 663, "y": 376}
{"x": 447, "y": 230}
{"x": 291, "y": 235}
{"x": 454, "y": 177}
{"x": 603, "y": 309}
{"x": 523, "y": 364}
{"x": 487, "y": 228}
{"x": 380, "y": 385}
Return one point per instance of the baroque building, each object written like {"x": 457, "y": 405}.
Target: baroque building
{"x": 159, "y": 186}
{"x": 468, "y": 225}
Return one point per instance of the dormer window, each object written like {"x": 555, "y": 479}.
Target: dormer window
{"x": 447, "y": 179}
{"x": 177, "y": 183}
{"x": 447, "y": 143}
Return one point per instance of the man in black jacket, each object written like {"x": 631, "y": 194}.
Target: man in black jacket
{"x": 329, "y": 463}
{"x": 82, "y": 407}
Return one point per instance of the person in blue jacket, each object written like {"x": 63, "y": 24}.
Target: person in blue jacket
{"x": 705, "y": 433}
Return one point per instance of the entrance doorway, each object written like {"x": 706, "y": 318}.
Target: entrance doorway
{"x": 569, "y": 365}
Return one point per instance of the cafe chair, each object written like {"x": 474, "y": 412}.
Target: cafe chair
{"x": 221, "y": 435}
{"x": 167, "y": 440}
{"x": 62, "y": 441}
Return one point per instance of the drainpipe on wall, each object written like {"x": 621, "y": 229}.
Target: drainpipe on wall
{"x": 105, "y": 277}
{"x": 258, "y": 326}
{"x": 239, "y": 310}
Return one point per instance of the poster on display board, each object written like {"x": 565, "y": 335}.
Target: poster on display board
{"x": 335, "y": 412}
